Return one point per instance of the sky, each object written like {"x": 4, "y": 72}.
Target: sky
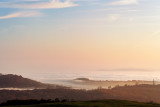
{"x": 79, "y": 35}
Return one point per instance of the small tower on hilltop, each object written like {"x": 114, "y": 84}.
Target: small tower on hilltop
{"x": 153, "y": 82}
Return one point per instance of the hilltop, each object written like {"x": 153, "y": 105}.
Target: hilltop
{"x": 17, "y": 81}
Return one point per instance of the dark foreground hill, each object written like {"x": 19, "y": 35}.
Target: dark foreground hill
{"x": 104, "y": 103}
{"x": 140, "y": 93}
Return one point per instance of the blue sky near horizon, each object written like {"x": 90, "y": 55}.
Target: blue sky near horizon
{"x": 78, "y": 35}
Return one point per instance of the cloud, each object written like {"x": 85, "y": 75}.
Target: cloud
{"x": 156, "y": 33}
{"x": 124, "y": 2}
{"x": 126, "y": 69}
{"x": 85, "y": 0}
{"x": 31, "y": 0}
{"x": 131, "y": 19}
{"x": 24, "y": 0}
{"x": 113, "y": 17}
{"x": 39, "y": 5}
{"x": 21, "y": 14}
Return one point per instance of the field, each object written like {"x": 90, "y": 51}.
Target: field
{"x": 105, "y": 103}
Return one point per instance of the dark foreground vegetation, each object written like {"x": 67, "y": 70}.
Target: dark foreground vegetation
{"x": 64, "y": 103}
{"x": 140, "y": 93}
{"x": 30, "y": 102}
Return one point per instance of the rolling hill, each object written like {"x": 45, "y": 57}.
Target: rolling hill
{"x": 16, "y": 81}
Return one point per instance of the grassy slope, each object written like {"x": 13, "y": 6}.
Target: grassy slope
{"x": 106, "y": 103}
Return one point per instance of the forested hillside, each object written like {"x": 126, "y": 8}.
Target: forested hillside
{"x": 141, "y": 93}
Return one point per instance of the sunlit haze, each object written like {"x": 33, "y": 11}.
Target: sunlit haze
{"x": 99, "y": 39}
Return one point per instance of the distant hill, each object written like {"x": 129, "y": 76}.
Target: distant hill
{"x": 86, "y": 83}
{"x": 16, "y": 81}
{"x": 82, "y": 79}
